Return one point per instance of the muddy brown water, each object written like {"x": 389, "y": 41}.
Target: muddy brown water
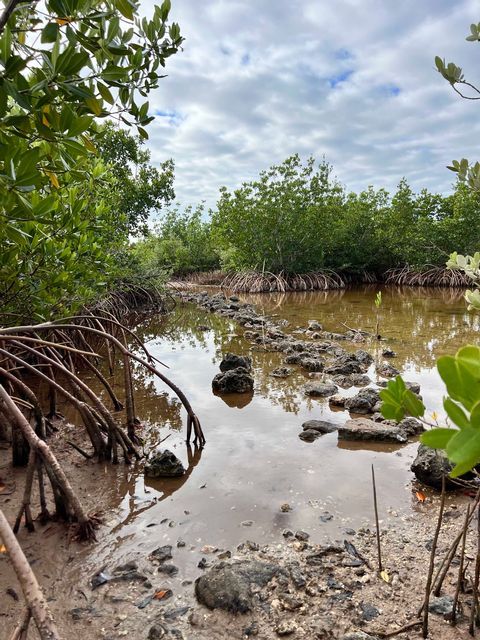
{"x": 253, "y": 461}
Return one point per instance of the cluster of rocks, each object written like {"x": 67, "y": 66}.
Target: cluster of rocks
{"x": 329, "y": 364}
{"x": 235, "y": 375}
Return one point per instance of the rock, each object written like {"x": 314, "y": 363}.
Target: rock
{"x": 411, "y": 426}
{"x": 286, "y": 628}
{"x": 337, "y": 401}
{"x": 442, "y": 606}
{"x": 311, "y": 364}
{"x": 352, "y": 380}
{"x": 285, "y": 507}
{"x": 359, "y": 635}
{"x": 314, "y": 325}
{"x": 369, "y": 612}
{"x": 303, "y": 536}
{"x": 320, "y": 389}
{"x": 309, "y": 435}
{"x": 169, "y": 569}
{"x": 322, "y": 426}
{"x": 363, "y": 402}
{"x": 156, "y": 632}
{"x": 162, "y": 553}
{"x": 281, "y": 372}
{"x": 251, "y": 630}
{"x": 388, "y": 353}
{"x": 228, "y": 586}
{"x": 430, "y": 466}
{"x": 386, "y": 370}
{"x": 233, "y": 381}
{"x": 232, "y": 361}
{"x": 344, "y": 365}
{"x": 163, "y": 464}
{"x": 364, "y": 429}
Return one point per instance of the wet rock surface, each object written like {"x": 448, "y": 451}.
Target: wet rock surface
{"x": 365, "y": 429}
{"x": 233, "y": 381}
{"x": 430, "y": 466}
{"x": 163, "y": 464}
{"x": 320, "y": 389}
{"x": 229, "y": 585}
{"x": 232, "y": 361}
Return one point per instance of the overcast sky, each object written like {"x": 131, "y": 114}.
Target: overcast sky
{"x": 351, "y": 80}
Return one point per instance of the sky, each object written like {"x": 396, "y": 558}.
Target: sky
{"x": 353, "y": 81}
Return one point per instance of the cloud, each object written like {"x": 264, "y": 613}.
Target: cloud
{"x": 352, "y": 80}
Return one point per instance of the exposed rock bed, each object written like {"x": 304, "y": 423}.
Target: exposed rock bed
{"x": 294, "y": 588}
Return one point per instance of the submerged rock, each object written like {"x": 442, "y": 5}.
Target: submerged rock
{"x": 233, "y": 381}
{"x": 228, "y": 586}
{"x": 232, "y": 361}
{"x": 163, "y": 464}
{"x": 364, "y": 429}
{"x": 312, "y": 364}
{"x": 320, "y": 389}
{"x": 321, "y": 426}
{"x": 281, "y": 372}
{"x": 387, "y": 370}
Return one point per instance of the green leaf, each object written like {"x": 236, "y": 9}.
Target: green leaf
{"x": 455, "y": 413}
{"x": 464, "y": 450}
{"x": 50, "y": 32}
{"x": 105, "y": 93}
{"x": 437, "y": 438}
{"x": 125, "y": 8}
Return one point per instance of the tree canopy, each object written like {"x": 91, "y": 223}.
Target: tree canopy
{"x": 65, "y": 65}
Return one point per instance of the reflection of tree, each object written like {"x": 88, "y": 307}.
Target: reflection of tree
{"x": 165, "y": 486}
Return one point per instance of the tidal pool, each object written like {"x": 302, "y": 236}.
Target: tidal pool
{"x": 254, "y": 461}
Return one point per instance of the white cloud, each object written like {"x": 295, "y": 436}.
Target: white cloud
{"x": 353, "y": 80}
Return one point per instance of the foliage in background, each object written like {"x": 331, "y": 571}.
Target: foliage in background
{"x": 139, "y": 189}
{"x": 63, "y": 65}
{"x": 181, "y": 243}
{"x": 296, "y": 218}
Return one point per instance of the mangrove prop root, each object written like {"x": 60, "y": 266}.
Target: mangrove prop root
{"x": 21, "y": 630}
{"x": 105, "y": 336}
{"x": 447, "y": 561}
{"x": 17, "y": 419}
{"x": 32, "y": 593}
{"x": 475, "y": 607}
{"x": 27, "y": 494}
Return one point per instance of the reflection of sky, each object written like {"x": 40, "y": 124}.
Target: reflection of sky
{"x": 253, "y": 460}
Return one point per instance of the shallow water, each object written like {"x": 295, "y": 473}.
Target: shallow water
{"x": 254, "y": 461}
